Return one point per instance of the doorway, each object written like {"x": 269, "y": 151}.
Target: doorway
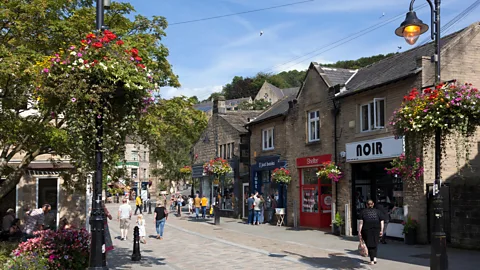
{"x": 47, "y": 193}
{"x": 246, "y": 194}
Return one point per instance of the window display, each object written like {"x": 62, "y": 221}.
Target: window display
{"x": 310, "y": 200}
{"x": 309, "y": 176}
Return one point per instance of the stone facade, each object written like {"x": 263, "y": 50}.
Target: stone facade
{"x": 459, "y": 61}
{"x": 223, "y": 136}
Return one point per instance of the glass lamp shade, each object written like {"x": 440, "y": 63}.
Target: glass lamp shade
{"x": 411, "y": 33}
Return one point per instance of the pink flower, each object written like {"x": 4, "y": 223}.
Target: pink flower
{"x": 79, "y": 54}
{"x": 45, "y": 70}
{"x": 73, "y": 99}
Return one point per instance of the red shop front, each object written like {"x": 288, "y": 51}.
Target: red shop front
{"x": 315, "y": 194}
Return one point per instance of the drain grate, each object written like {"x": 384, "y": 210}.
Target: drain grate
{"x": 336, "y": 254}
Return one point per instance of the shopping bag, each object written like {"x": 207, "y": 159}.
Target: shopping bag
{"x": 362, "y": 248}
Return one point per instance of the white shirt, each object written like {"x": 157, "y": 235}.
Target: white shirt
{"x": 125, "y": 210}
{"x": 190, "y": 201}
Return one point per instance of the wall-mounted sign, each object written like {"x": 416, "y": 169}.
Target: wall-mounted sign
{"x": 313, "y": 161}
{"x": 388, "y": 147}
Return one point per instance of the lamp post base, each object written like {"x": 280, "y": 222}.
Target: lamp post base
{"x": 438, "y": 254}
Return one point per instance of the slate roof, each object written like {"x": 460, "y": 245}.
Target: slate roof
{"x": 395, "y": 67}
{"x": 277, "y": 109}
{"x": 238, "y": 119}
{"x": 335, "y": 76}
{"x": 290, "y": 91}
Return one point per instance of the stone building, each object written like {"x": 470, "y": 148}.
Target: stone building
{"x": 366, "y": 144}
{"x": 271, "y": 93}
{"x": 230, "y": 105}
{"x": 268, "y": 151}
{"x": 311, "y": 141}
{"x": 225, "y": 137}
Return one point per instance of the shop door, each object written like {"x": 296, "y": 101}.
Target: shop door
{"x": 316, "y": 200}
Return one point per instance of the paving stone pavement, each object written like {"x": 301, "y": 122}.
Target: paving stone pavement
{"x": 192, "y": 244}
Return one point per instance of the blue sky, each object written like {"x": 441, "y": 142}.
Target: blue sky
{"x": 208, "y": 54}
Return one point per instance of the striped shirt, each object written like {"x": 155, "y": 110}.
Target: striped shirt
{"x": 33, "y": 220}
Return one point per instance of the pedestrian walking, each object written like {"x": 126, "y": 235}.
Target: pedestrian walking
{"x": 371, "y": 229}
{"x": 204, "y": 206}
{"x": 198, "y": 204}
{"x": 250, "y": 206}
{"x": 138, "y": 203}
{"x": 190, "y": 205}
{"x": 141, "y": 228}
{"x": 179, "y": 205}
{"x": 124, "y": 216}
{"x": 262, "y": 210}
{"x": 257, "y": 209}
{"x": 160, "y": 217}
{"x": 108, "y": 237}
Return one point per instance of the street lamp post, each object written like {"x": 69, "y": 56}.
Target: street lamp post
{"x": 411, "y": 29}
{"x": 98, "y": 259}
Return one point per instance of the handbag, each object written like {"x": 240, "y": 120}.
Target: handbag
{"x": 362, "y": 248}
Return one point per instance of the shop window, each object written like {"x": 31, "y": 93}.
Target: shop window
{"x": 313, "y": 126}
{"x": 310, "y": 200}
{"x": 267, "y": 139}
{"x": 309, "y": 176}
{"x": 228, "y": 151}
{"x": 372, "y": 115}
{"x": 134, "y": 173}
{"x": 224, "y": 194}
{"x": 144, "y": 155}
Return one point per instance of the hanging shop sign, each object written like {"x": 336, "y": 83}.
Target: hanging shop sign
{"x": 388, "y": 147}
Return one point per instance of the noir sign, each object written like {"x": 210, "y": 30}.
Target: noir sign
{"x": 388, "y": 147}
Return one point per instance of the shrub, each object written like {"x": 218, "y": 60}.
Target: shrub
{"x": 30, "y": 261}
{"x": 5, "y": 251}
{"x": 66, "y": 249}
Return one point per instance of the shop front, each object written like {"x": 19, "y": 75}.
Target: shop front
{"x": 315, "y": 193}
{"x": 370, "y": 181}
{"x": 261, "y": 181}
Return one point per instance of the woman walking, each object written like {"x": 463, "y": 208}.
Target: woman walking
{"x": 160, "y": 216}
{"x": 371, "y": 229}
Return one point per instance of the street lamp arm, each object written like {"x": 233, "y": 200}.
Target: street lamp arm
{"x": 432, "y": 16}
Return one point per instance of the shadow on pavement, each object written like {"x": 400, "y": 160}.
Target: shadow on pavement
{"x": 334, "y": 261}
{"x": 120, "y": 258}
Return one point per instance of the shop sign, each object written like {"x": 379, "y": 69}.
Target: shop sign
{"x": 387, "y": 147}
{"x": 313, "y": 161}
{"x": 268, "y": 163}
{"x": 326, "y": 202}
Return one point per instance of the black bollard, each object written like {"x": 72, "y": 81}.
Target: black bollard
{"x": 149, "y": 207}
{"x": 216, "y": 215}
{"x": 136, "y": 256}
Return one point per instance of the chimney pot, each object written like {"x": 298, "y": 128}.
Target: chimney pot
{"x": 219, "y": 105}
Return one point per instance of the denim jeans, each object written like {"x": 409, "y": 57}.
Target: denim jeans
{"x": 257, "y": 216}
{"x": 160, "y": 224}
{"x": 204, "y": 211}
{"x": 250, "y": 216}
{"x": 197, "y": 210}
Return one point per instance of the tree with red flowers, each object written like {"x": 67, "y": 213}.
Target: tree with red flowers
{"x": 41, "y": 96}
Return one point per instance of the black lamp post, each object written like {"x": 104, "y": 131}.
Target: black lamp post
{"x": 98, "y": 259}
{"x": 411, "y": 29}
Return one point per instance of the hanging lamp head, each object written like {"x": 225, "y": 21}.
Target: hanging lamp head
{"x": 411, "y": 28}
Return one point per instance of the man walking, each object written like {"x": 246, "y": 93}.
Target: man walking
{"x": 138, "y": 203}
{"x": 204, "y": 206}
{"x": 198, "y": 204}
{"x": 124, "y": 216}
{"x": 250, "y": 202}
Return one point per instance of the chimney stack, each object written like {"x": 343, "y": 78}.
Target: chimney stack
{"x": 219, "y": 105}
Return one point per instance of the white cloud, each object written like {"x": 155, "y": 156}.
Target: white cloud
{"x": 201, "y": 92}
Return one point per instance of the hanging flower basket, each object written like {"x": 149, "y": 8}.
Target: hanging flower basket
{"x": 186, "y": 170}
{"x": 281, "y": 175}
{"x": 329, "y": 171}
{"x": 217, "y": 166}
{"x": 449, "y": 107}
{"x": 406, "y": 168}
{"x": 98, "y": 77}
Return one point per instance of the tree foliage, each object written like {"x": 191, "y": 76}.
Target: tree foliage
{"x": 241, "y": 87}
{"x": 170, "y": 129}
{"x": 32, "y": 30}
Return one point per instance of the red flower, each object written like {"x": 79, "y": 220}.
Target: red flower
{"x": 134, "y": 52}
{"x": 120, "y": 42}
{"x": 138, "y": 58}
{"x": 141, "y": 66}
{"x": 109, "y": 35}
{"x": 91, "y": 36}
{"x": 83, "y": 41}
{"x": 97, "y": 45}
